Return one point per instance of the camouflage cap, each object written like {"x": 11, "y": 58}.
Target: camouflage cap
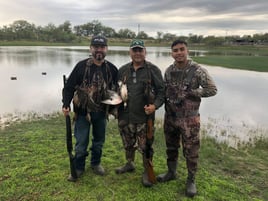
{"x": 137, "y": 43}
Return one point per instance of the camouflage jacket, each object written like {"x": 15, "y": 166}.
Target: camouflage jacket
{"x": 185, "y": 87}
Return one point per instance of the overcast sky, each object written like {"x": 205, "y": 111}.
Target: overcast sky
{"x": 180, "y": 17}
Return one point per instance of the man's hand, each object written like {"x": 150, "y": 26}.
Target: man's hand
{"x": 66, "y": 111}
{"x": 182, "y": 95}
{"x": 149, "y": 109}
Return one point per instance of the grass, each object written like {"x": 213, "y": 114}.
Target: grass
{"x": 257, "y": 63}
{"x": 34, "y": 166}
{"x": 246, "y": 57}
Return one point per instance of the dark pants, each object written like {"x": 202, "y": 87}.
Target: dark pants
{"x": 183, "y": 131}
{"x": 82, "y": 131}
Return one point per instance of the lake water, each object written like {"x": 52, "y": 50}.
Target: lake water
{"x": 237, "y": 111}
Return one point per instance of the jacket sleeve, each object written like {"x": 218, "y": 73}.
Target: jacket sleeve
{"x": 208, "y": 87}
{"x": 159, "y": 87}
{"x": 69, "y": 88}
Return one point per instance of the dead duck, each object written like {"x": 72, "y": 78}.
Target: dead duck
{"x": 123, "y": 92}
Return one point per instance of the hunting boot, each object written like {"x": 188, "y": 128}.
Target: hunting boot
{"x": 78, "y": 174}
{"x": 98, "y": 169}
{"x": 190, "y": 186}
{"x": 129, "y": 166}
{"x": 145, "y": 177}
{"x": 171, "y": 174}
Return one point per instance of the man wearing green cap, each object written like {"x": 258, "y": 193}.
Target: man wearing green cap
{"x": 136, "y": 77}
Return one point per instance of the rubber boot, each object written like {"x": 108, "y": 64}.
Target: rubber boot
{"x": 145, "y": 179}
{"x": 129, "y": 166}
{"x": 171, "y": 174}
{"x": 190, "y": 186}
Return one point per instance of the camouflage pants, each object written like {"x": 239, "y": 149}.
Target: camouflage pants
{"x": 183, "y": 131}
{"x": 133, "y": 136}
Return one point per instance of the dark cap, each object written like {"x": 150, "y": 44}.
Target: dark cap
{"x": 137, "y": 43}
{"x": 98, "y": 40}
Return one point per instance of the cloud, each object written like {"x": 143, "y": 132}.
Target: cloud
{"x": 204, "y": 17}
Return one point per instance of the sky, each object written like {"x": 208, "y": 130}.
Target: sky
{"x": 180, "y": 17}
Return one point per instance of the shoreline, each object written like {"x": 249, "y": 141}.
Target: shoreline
{"x": 222, "y": 131}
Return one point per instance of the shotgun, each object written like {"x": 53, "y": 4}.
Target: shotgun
{"x": 149, "y": 150}
{"x": 69, "y": 141}
{"x": 150, "y": 137}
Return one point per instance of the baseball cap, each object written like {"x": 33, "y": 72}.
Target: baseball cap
{"x": 137, "y": 43}
{"x": 98, "y": 40}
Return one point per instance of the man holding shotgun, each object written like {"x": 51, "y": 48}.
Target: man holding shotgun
{"x": 141, "y": 87}
{"x": 86, "y": 87}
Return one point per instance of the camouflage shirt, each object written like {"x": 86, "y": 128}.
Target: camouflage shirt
{"x": 185, "y": 87}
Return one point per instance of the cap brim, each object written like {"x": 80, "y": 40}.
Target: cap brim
{"x": 139, "y": 46}
{"x": 104, "y": 44}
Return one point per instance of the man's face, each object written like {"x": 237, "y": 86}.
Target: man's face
{"x": 98, "y": 51}
{"x": 179, "y": 52}
{"x": 137, "y": 54}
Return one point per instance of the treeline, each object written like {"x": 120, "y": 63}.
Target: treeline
{"x": 23, "y": 30}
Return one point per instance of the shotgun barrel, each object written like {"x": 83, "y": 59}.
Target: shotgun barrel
{"x": 69, "y": 141}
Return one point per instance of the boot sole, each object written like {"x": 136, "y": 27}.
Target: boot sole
{"x": 190, "y": 194}
{"x": 119, "y": 172}
{"x": 161, "y": 180}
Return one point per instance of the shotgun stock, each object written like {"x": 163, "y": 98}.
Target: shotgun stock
{"x": 69, "y": 141}
{"x": 150, "y": 135}
{"x": 149, "y": 150}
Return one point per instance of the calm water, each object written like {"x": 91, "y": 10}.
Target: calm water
{"x": 240, "y": 103}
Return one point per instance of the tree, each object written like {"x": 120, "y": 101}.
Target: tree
{"x": 7, "y": 34}
{"x": 48, "y": 32}
{"x": 66, "y": 27}
{"x": 92, "y": 28}
{"x": 142, "y": 35}
{"x": 108, "y": 31}
{"x": 195, "y": 38}
{"x": 23, "y": 30}
{"x": 169, "y": 37}
{"x": 214, "y": 41}
{"x": 159, "y": 36}
{"x": 126, "y": 33}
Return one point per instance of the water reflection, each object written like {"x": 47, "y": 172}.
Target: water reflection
{"x": 240, "y": 102}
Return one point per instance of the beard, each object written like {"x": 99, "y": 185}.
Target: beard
{"x": 99, "y": 56}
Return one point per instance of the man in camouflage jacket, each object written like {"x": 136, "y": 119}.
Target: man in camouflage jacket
{"x": 186, "y": 82}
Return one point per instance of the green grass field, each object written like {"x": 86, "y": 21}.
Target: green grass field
{"x": 236, "y": 62}
{"x": 34, "y": 165}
